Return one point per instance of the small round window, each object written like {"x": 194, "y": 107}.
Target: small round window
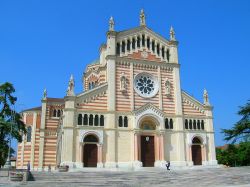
{"x": 146, "y": 85}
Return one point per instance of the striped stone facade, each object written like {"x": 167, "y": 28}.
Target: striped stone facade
{"x": 110, "y": 123}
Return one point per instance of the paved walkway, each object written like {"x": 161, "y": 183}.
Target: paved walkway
{"x": 149, "y": 178}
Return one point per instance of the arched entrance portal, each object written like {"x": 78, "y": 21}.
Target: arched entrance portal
{"x": 196, "y": 151}
{"x": 147, "y": 139}
{"x": 90, "y": 151}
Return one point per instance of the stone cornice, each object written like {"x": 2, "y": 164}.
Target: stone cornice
{"x": 143, "y": 63}
{"x": 91, "y": 94}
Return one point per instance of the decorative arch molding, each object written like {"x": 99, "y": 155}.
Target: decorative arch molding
{"x": 149, "y": 111}
{"x": 97, "y": 133}
{"x": 191, "y": 136}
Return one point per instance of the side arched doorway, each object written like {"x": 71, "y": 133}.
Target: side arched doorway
{"x": 196, "y": 151}
{"x": 90, "y": 151}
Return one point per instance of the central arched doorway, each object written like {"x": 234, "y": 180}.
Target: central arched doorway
{"x": 90, "y": 151}
{"x": 196, "y": 151}
{"x": 147, "y": 139}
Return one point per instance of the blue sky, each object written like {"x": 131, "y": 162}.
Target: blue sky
{"x": 43, "y": 42}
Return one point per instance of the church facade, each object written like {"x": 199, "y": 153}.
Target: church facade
{"x": 131, "y": 114}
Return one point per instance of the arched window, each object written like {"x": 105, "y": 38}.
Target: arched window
{"x": 196, "y": 140}
{"x": 133, "y": 43}
{"x": 143, "y": 40}
{"x": 198, "y": 124}
{"x": 29, "y": 134}
{"x": 118, "y": 48}
{"x": 79, "y": 119}
{"x": 148, "y": 43}
{"x": 158, "y": 49}
{"x": 166, "y": 124}
{"x": 54, "y": 113}
{"x": 153, "y": 46}
{"x": 90, "y": 138}
{"x": 123, "y": 46}
{"x": 168, "y": 55}
{"x": 125, "y": 121}
{"x": 128, "y": 45}
{"x": 96, "y": 120}
{"x": 171, "y": 123}
{"x": 120, "y": 121}
{"x": 85, "y": 119}
{"x": 163, "y": 52}
{"x": 91, "y": 120}
{"x": 58, "y": 113}
{"x": 102, "y": 120}
{"x": 190, "y": 124}
{"x": 202, "y": 124}
{"x": 194, "y": 124}
{"x": 138, "y": 41}
{"x": 186, "y": 124}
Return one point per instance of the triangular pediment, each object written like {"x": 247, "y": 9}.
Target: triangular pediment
{"x": 148, "y": 109}
{"x": 92, "y": 94}
{"x": 191, "y": 101}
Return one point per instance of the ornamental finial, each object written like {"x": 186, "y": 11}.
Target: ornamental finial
{"x": 71, "y": 86}
{"x": 111, "y": 24}
{"x": 205, "y": 98}
{"x": 172, "y": 34}
{"x": 44, "y": 94}
{"x": 142, "y": 18}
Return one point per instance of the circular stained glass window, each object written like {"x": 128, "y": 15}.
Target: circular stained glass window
{"x": 145, "y": 85}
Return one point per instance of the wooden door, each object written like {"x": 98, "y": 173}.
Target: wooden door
{"x": 147, "y": 151}
{"x": 196, "y": 154}
{"x": 90, "y": 155}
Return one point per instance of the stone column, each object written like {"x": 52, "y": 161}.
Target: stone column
{"x": 156, "y": 140}
{"x": 162, "y": 147}
{"x": 99, "y": 150}
{"x": 136, "y": 147}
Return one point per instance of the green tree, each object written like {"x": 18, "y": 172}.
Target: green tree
{"x": 11, "y": 125}
{"x": 241, "y": 130}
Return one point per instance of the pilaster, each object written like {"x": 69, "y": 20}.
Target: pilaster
{"x": 68, "y": 145}
{"x": 42, "y": 128}
{"x": 33, "y": 140}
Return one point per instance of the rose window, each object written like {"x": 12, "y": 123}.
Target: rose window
{"x": 145, "y": 85}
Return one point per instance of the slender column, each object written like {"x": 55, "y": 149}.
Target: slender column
{"x": 160, "y": 46}
{"x": 156, "y": 147}
{"x": 135, "y": 146}
{"x": 99, "y": 146}
{"x": 81, "y": 153}
{"x": 141, "y": 41}
{"x": 126, "y": 46}
{"x": 190, "y": 153}
{"x": 162, "y": 146}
